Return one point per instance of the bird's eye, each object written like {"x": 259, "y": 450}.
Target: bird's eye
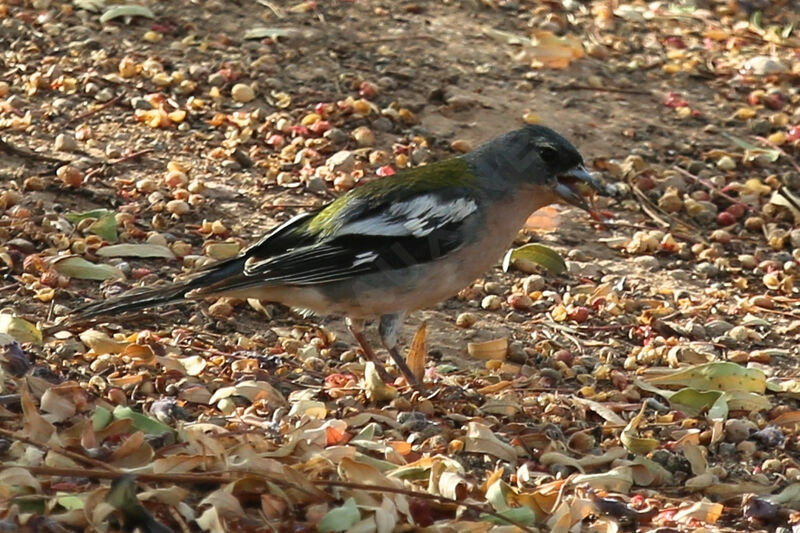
{"x": 548, "y": 154}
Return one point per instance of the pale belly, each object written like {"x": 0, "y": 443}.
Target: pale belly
{"x": 409, "y": 288}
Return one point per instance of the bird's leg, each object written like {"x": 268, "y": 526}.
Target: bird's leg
{"x": 388, "y": 328}
{"x": 356, "y": 327}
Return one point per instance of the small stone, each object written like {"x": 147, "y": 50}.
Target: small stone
{"x": 533, "y": 283}
{"x": 178, "y": 207}
{"x": 343, "y": 161}
{"x": 243, "y": 93}
{"x": 707, "y": 269}
{"x": 492, "y": 287}
{"x": 461, "y": 146}
{"x": 764, "y": 66}
{"x": 726, "y": 162}
{"x": 220, "y": 309}
{"x": 336, "y": 136}
{"x": 364, "y": 136}
{"x": 491, "y": 302}
{"x": 647, "y": 262}
{"x": 466, "y": 320}
{"x": 65, "y": 142}
{"x": 69, "y": 176}
{"x": 739, "y": 429}
{"x": 519, "y": 301}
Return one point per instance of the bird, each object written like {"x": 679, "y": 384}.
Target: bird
{"x": 392, "y": 245}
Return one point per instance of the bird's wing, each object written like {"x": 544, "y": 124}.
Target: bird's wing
{"x": 369, "y": 237}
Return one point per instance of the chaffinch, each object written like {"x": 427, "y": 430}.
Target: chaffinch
{"x": 393, "y": 245}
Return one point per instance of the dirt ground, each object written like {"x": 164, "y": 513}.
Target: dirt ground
{"x": 647, "y": 88}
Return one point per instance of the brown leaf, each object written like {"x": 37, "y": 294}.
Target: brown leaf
{"x": 417, "y": 352}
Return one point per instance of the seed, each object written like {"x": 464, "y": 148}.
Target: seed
{"x": 70, "y": 176}
{"x": 491, "y": 302}
{"x": 725, "y": 219}
{"x": 754, "y": 223}
{"x": 578, "y": 314}
{"x": 461, "y": 146}
{"x": 243, "y": 93}
{"x": 178, "y": 207}
{"x": 519, "y": 301}
{"x": 466, "y": 320}
{"x": 176, "y": 179}
{"x": 364, "y": 136}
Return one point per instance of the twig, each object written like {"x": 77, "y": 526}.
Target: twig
{"x": 97, "y": 109}
{"x": 710, "y": 186}
{"x": 103, "y": 166}
{"x": 229, "y": 476}
{"x": 29, "y": 154}
{"x": 278, "y": 12}
{"x": 399, "y": 38}
{"x": 61, "y": 451}
{"x": 416, "y": 494}
{"x": 128, "y": 157}
{"x": 579, "y": 87}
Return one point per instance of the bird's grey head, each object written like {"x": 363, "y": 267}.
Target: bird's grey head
{"x": 533, "y": 155}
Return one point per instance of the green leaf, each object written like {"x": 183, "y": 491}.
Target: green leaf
{"x": 536, "y": 253}
{"x": 772, "y": 155}
{"x": 19, "y": 328}
{"x": 497, "y": 495}
{"x": 720, "y": 375}
{"x": 341, "y": 518}
{"x": 521, "y": 515}
{"x": 94, "y": 213}
{"x": 136, "y": 250}
{"x": 263, "y": 32}
{"x": 126, "y": 11}
{"x": 151, "y": 426}
{"x": 69, "y": 501}
{"x": 446, "y": 368}
{"x": 106, "y": 228}
{"x": 101, "y": 418}
{"x": 692, "y": 401}
{"x": 79, "y": 268}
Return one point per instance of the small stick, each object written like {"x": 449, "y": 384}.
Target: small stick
{"x": 578, "y": 87}
{"x": 61, "y": 451}
{"x": 710, "y": 186}
{"x": 97, "y": 109}
{"x": 29, "y": 154}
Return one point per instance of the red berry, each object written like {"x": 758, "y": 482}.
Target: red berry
{"x": 139, "y": 273}
{"x": 385, "y": 170}
{"x": 645, "y": 183}
{"x": 773, "y": 101}
{"x": 725, "y": 219}
{"x": 276, "y": 141}
{"x": 579, "y": 314}
{"x": 320, "y": 127}
{"x": 793, "y": 134}
{"x": 736, "y": 210}
{"x": 368, "y": 90}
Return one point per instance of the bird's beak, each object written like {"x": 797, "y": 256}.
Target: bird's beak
{"x": 574, "y": 185}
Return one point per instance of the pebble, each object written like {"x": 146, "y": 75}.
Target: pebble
{"x": 342, "y": 160}
{"x": 461, "y": 146}
{"x": 533, "y": 283}
{"x": 492, "y": 287}
{"x": 726, "y": 163}
{"x": 738, "y": 429}
{"x": 647, "y": 262}
{"x": 466, "y": 320}
{"x": 243, "y": 93}
{"x": 364, "y": 136}
{"x": 491, "y": 302}
{"x": 519, "y": 301}
{"x": 178, "y": 207}
{"x": 336, "y": 136}
{"x": 707, "y": 269}
{"x": 764, "y": 66}
{"x": 65, "y": 142}
{"x": 670, "y": 202}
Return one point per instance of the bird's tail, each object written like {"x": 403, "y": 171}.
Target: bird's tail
{"x": 146, "y": 297}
